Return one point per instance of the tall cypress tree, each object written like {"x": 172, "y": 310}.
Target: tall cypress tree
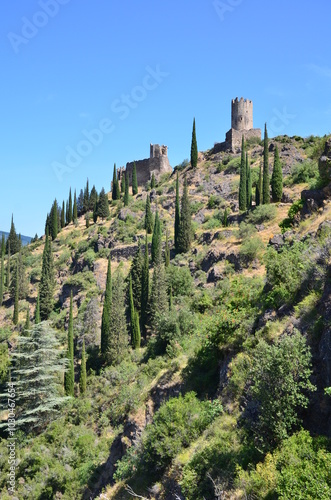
{"x": 8, "y": 267}
{"x": 118, "y": 334}
{"x": 243, "y": 180}
{"x": 194, "y": 147}
{"x": 167, "y": 251}
{"x": 148, "y": 216}
{"x": 103, "y": 205}
{"x": 249, "y": 183}
{"x": 53, "y": 222}
{"x": 153, "y": 181}
{"x": 277, "y": 179}
{"x": 74, "y": 211}
{"x": 156, "y": 238}
{"x": 13, "y": 239}
{"x": 266, "y": 178}
{"x": 46, "y": 287}
{"x": 136, "y": 335}
{"x": 145, "y": 289}
{"x": 70, "y": 207}
{"x": 185, "y": 228}
{"x": 82, "y": 379}
{"x": 115, "y": 192}
{"x": 159, "y": 302}
{"x": 86, "y": 197}
{"x": 259, "y": 188}
{"x": 15, "y": 314}
{"x": 123, "y": 183}
{"x": 21, "y": 277}
{"x": 37, "y": 311}
{"x": 134, "y": 180}
{"x": 2, "y": 270}
{"x": 106, "y": 313}
{"x": 177, "y": 215}
{"x": 69, "y": 379}
{"x": 136, "y": 275}
{"x": 131, "y": 306}
{"x": 63, "y": 216}
{"x": 126, "y": 192}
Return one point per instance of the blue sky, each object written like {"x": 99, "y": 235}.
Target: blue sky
{"x": 136, "y": 72}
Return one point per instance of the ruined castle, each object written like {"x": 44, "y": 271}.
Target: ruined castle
{"x": 241, "y": 124}
{"x": 157, "y": 164}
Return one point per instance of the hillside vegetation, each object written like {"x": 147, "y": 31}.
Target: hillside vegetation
{"x": 227, "y": 397}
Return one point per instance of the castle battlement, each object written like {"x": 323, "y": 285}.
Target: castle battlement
{"x": 157, "y": 164}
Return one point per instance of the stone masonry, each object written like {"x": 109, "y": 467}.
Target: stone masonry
{"x": 241, "y": 124}
{"x": 157, "y": 163}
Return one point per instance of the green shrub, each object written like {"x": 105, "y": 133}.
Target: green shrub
{"x": 246, "y": 230}
{"x": 234, "y": 165}
{"x": 180, "y": 280}
{"x": 287, "y": 223}
{"x": 250, "y": 249}
{"x": 262, "y": 213}
{"x": 303, "y": 173}
{"x": 215, "y": 201}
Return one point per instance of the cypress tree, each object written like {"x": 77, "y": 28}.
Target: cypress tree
{"x": 63, "y": 216}
{"x": 13, "y": 239}
{"x": 170, "y": 299}
{"x": 136, "y": 276}
{"x": 2, "y": 270}
{"x": 15, "y": 314}
{"x": 156, "y": 238}
{"x": 27, "y": 321}
{"x": 93, "y": 198}
{"x": 126, "y": 193}
{"x": 258, "y": 189}
{"x": 69, "y": 379}
{"x": 243, "y": 180}
{"x": 277, "y": 179}
{"x": 80, "y": 203}
{"x": 67, "y": 214}
{"x": 123, "y": 183}
{"x": 74, "y": 212}
{"x": 159, "y": 302}
{"x": 136, "y": 336}
{"x": 266, "y": 179}
{"x": 134, "y": 180}
{"x": 8, "y": 267}
{"x": 103, "y": 205}
{"x": 95, "y": 211}
{"x": 37, "y": 311}
{"x": 46, "y": 287}
{"x": 86, "y": 197}
{"x": 167, "y": 251}
{"x": 82, "y": 379}
{"x": 185, "y": 229}
{"x": 53, "y": 221}
{"x": 70, "y": 207}
{"x": 249, "y": 184}
{"x": 115, "y": 193}
{"x": 131, "y": 307}
{"x": 118, "y": 334}
{"x": 194, "y": 147}
{"x": 144, "y": 289}
{"x": 3, "y": 244}
{"x": 225, "y": 218}
{"x": 177, "y": 215}
{"x": 153, "y": 181}
{"x": 148, "y": 216}
{"x": 106, "y": 313}
{"x": 21, "y": 277}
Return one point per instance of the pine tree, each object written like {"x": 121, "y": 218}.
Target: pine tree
{"x": 15, "y": 314}
{"x": 37, "y": 311}
{"x": 118, "y": 335}
{"x": 13, "y": 239}
{"x": 126, "y": 192}
{"x": 153, "y": 181}
{"x": 70, "y": 207}
{"x": 167, "y": 251}
{"x": 27, "y": 321}
{"x": 136, "y": 275}
{"x": 103, "y": 205}
{"x": 258, "y": 189}
{"x": 63, "y": 216}
{"x": 106, "y": 313}
{"x": 148, "y": 216}
{"x": 134, "y": 180}
{"x": 2, "y": 270}
{"x": 8, "y": 267}
{"x": 156, "y": 238}
{"x": 249, "y": 184}
{"x": 46, "y": 287}
{"x": 194, "y": 148}
{"x": 115, "y": 186}
{"x": 243, "y": 180}
{"x": 82, "y": 379}
{"x": 69, "y": 379}
{"x": 86, "y": 197}
{"x": 145, "y": 289}
{"x": 277, "y": 179}
{"x": 177, "y": 215}
{"x": 74, "y": 211}
{"x": 185, "y": 228}
{"x": 266, "y": 180}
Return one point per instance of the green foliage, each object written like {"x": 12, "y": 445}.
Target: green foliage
{"x": 288, "y": 222}
{"x": 185, "y": 227}
{"x": 153, "y": 181}
{"x": 243, "y": 179}
{"x": 116, "y": 194}
{"x": 277, "y": 179}
{"x": 194, "y": 147}
{"x": 158, "y": 300}
{"x": 249, "y": 184}
{"x": 262, "y": 214}
{"x": 215, "y": 201}
{"x": 176, "y": 424}
{"x": 118, "y": 336}
{"x": 134, "y": 180}
{"x": 145, "y": 288}
{"x": 180, "y": 280}
{"x": 266, "y": 178}
{"x": 106, "y": 313}
{"x": 167, "y": 251}
{"x": 148, "y": 216}
{"x": 126, "y": 190}
{"x": 156, "y": 239}
{"x": 69, "y": 379}
{"x": 46, "y": 287}
{"x": 13, "y": 244}
{"x": 177, "y": 215}
{"x": 279, "y": 377}
{"x": 4, "y": 362}
{"x": 103, "y": 205}
{"x": 303, "y": 172}
{"x": 250, "y": 249}
{"x": 82, "y": 378}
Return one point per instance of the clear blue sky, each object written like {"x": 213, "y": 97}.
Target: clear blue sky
{"x": 139, "y": 71}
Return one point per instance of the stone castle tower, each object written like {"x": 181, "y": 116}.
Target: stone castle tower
{"x": 241, "y": 124}
{"x": 157, "y": 164}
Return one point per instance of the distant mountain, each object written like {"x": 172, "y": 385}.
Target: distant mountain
{"x": 25, "y": 239}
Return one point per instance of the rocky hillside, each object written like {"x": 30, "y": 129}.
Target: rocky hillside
{"x": 181, "y": 417}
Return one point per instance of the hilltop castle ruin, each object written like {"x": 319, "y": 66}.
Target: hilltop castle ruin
{"x": 157, "y": 164}
{"x": 241, "y": 124}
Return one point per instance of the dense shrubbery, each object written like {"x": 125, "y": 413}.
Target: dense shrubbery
{"x": 262, "y": 213}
